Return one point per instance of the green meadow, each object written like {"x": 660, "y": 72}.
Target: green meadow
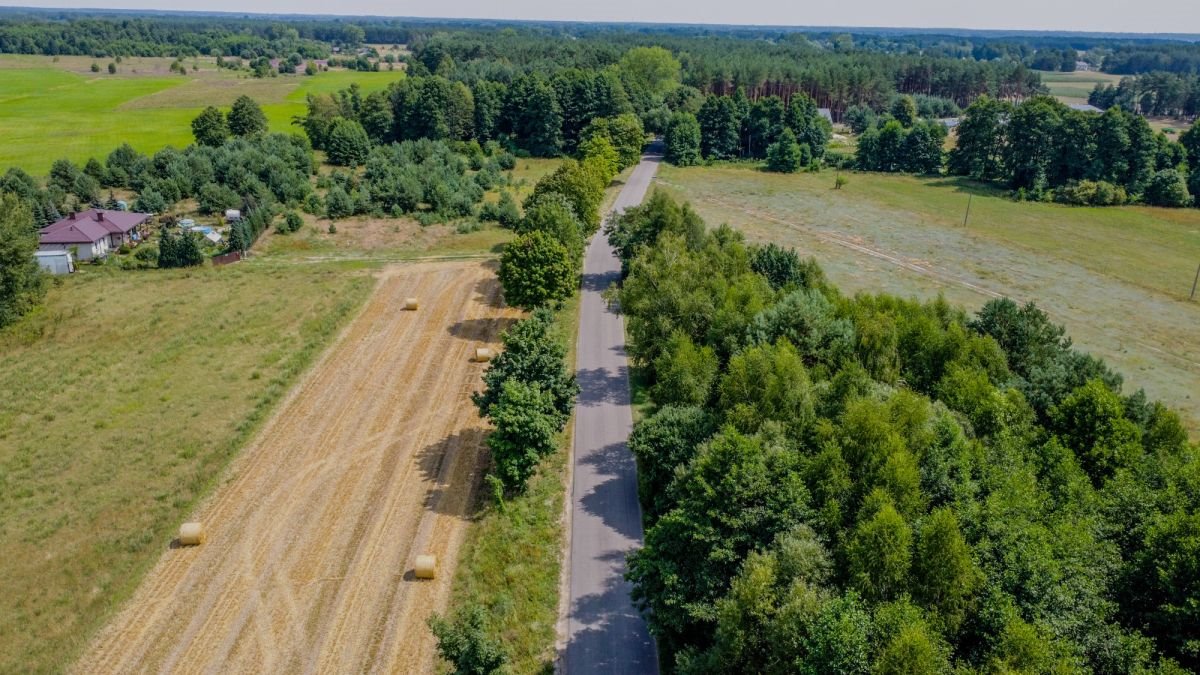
{"x": 51, "y": 110}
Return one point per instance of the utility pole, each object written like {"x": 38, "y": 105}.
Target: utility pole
{"x": 968, "y": 213}
{"x": 1193, "y": 295}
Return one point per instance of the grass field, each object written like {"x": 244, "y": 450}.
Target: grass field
{"x": 50, "y": 110}
{"x": 1075, "y": 87}
{"x": 1117, "y": 277}
{"x": 120, "y": 403}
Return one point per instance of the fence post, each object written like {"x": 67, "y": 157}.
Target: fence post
{"x": 968, "y": 213}
{"x": 1193, "y": 295}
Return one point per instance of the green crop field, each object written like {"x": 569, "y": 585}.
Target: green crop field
{"x": 50, "y": 110}
{"x": 1118, "y": 277}
{"x": 1075, "y": 87}
{"x": 121, "y": 401}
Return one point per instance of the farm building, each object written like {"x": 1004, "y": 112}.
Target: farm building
{"x": 1085, "y": 107}
{"x": 92, "y": 233}
{"x": 55, "y": 262}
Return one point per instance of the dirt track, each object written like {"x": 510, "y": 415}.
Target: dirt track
{"x": 372, "y": 460}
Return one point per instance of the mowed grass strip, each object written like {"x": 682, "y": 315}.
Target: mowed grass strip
{"x": 121, "y": 402}
{"x": 50, "y": 110}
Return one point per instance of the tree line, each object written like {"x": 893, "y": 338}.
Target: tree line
{"x": 836, "y": 484}
{"x": 1043, "y": 149}
{"x": 1156, "y": 94}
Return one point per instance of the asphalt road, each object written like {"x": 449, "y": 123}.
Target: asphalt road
{"x": 605, "y": 633}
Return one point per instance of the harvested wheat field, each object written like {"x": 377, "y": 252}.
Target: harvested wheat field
{"x": 373, "y": 460}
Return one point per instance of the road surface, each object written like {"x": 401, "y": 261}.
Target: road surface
{"x": 604, "y": 633}
{"x": 374, "y": 459}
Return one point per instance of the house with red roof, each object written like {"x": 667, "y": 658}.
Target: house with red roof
{"x": 92, "y": 233}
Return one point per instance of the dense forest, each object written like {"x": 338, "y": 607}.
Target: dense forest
{"x": 836, "y": 484}
{"x": 837, "y": 69}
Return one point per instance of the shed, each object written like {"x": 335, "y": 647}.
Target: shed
{"x": 214, "y": 237}
{"x": 233, "y": 215}
{"x": 55, "y": 262}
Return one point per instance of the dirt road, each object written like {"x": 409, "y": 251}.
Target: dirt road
{"x": 371, "y": 461}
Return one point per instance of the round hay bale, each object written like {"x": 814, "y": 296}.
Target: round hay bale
{"x": 426, "y": 567}
{"x": 411, "y": 304}
{"x": 191, "y": 534}
{"x": 483, "y": 355}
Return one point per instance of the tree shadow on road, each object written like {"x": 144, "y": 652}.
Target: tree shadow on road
{"x": 601, "y": 385}
{"x": 607, "y": 500}
{"x": 606, "y": 632}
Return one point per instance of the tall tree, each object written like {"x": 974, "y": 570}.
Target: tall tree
{"x": 682, "y": 140}
{"x": 210, "y": 127}
{"x": 246, "y": 118}
{"x": 21, "y": 283}
{"x": 980, "y": 145}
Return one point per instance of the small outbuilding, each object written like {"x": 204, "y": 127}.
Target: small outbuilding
{"x": 233, "y": 215}
{"x": 55, "y": 262}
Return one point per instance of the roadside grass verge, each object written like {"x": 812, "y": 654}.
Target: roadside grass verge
{"x": 122, "y": 400}
{"x": 512, "y": 558}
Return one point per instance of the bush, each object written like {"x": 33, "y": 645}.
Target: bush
{"x": 1090, "y": 193}
{"x": 839, "y": 160}
{"x": 465, "y": 644}
{"x": 338, "y": 203}
{"x": 1168, "y": 188}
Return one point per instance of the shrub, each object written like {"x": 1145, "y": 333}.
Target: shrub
{"x": 465, "y": 644}
{"x": 1090, "y": 193}
{"x": 1168, "y": 188}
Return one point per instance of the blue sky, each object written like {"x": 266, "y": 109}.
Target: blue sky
{"x": 1175, "y": 16}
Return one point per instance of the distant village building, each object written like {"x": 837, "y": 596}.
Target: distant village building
{"x": 1083, "y": 67}
{"x": 1085, "y": 107}
{"x": 92, "y": 233}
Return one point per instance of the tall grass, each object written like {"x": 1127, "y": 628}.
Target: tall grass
{"x": 121, "y": 402}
